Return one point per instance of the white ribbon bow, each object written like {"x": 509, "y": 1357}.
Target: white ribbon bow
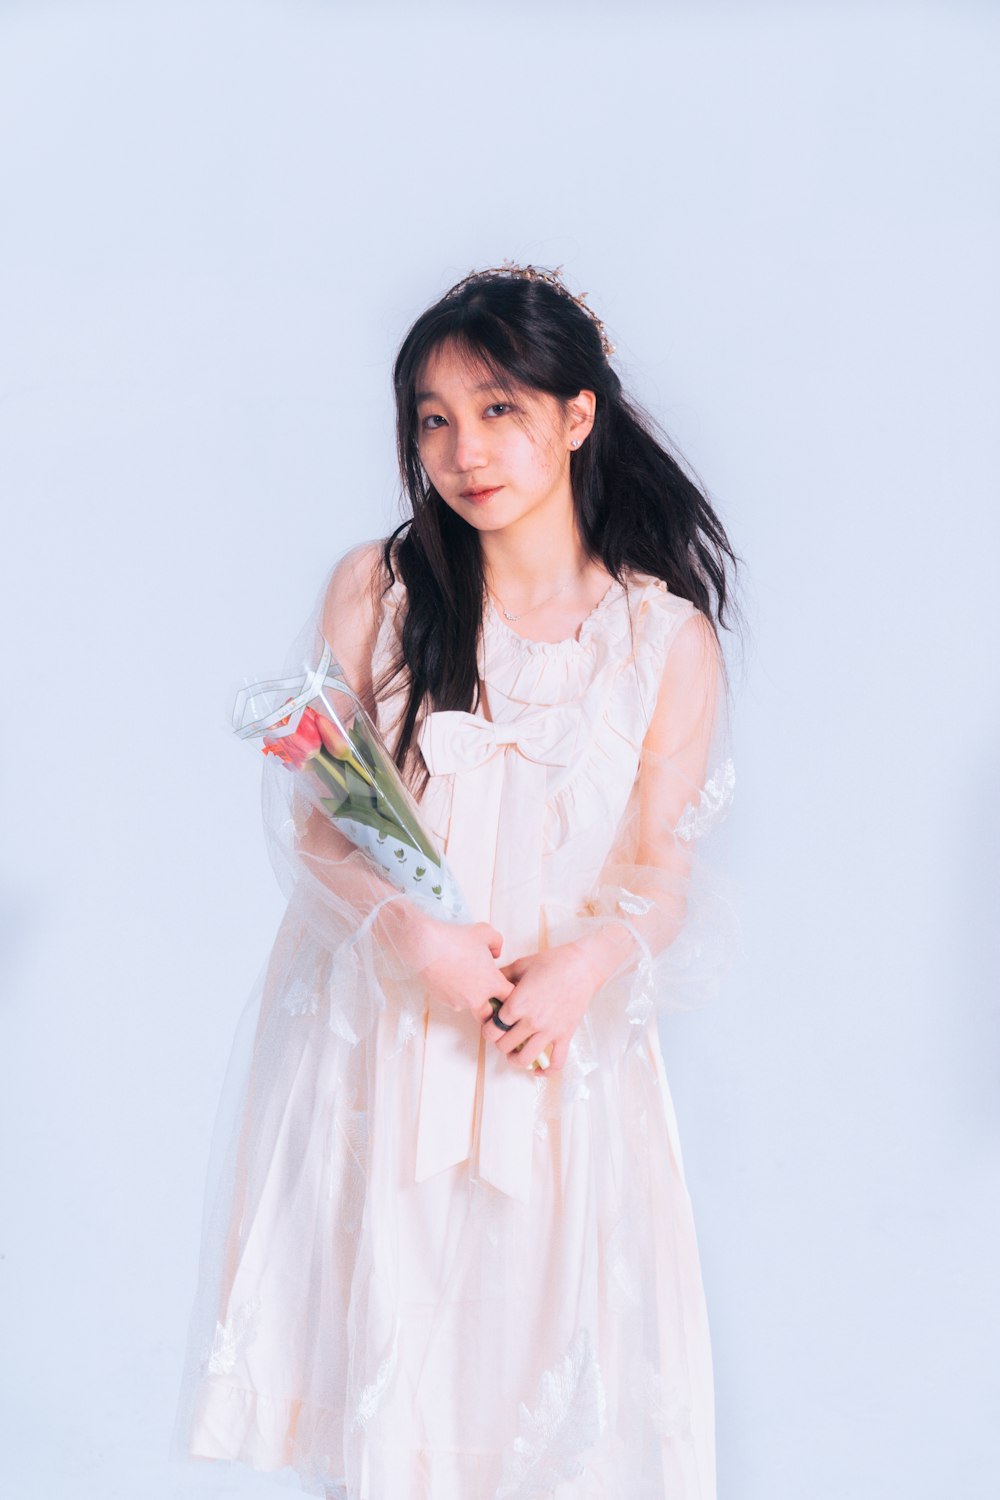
{"x": 494, "y": 848}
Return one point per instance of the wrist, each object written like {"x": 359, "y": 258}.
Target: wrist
{"x": 606, "y": 949}
{"x": 404, "y": 926}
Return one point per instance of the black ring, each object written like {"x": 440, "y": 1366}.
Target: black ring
{"x": 504, "y": 1025}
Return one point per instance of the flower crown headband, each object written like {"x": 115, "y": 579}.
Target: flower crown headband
{"x": 510, "y": 268}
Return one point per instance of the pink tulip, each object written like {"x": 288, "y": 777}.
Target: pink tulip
{"x": 297, "y": 748}
{"x": 334, "y": 740}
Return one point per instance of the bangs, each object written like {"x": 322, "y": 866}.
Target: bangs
{"x": 483, "y": 364}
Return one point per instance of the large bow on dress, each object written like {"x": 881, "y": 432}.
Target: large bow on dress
{"x": 494, "y": 848}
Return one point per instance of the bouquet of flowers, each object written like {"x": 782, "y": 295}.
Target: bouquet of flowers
{"x": 323, "y": 730}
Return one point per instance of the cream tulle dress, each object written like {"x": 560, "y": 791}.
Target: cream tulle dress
{"x": 427, "y": 1274}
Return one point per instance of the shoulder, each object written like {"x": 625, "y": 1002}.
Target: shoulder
{"x": 691, "y": 679}
{"x": 356, "y": 575}
{"x": 657, "y": 616}
{"x": 677, "y": 651}
{"x": 651, "y": 594}
{"x": 351, "y": 611}
{"x": 357, "y": 585}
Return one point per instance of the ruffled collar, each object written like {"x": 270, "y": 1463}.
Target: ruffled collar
{"x": 521, "y": 670}
{"x": 494, "y": 621}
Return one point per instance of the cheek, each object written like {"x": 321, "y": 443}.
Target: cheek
{"x": 428, "y": 454}
{"x": 532, "y": 459}
{"x": 544, "y": 464}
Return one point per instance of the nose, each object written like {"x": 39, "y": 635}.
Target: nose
{"x": 469, "y": 449}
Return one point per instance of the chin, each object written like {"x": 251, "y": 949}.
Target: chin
{"x": 486, "y": 517}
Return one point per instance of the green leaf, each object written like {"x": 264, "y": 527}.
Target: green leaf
{"x": 327, "y": 770}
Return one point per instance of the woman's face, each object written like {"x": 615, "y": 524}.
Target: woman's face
{"x": 493, "y": 460}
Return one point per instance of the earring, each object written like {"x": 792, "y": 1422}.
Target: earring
{"x": 575, "y": 443}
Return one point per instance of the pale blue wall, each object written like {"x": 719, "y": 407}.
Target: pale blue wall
{"x": 218, "y": 220}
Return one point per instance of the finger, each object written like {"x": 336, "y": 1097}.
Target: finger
{"x": 447, "y": 1002}
{"x": 520, "y": 1032}
{"x": 503, "y": 988}
{"x": 505, "y": 1008}
{"x": 525, "y": 1056}
{"x": 494, "y": 939}
{"x": 559, "y": 1053}
{"x": 491, "y": 1030}
{"x": 535, "y": 1053}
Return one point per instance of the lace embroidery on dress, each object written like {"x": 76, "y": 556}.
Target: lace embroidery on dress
{"x": 406, "y": 1030}
{"x": 622, "y": 1283}
{"x": 372, "y": 1394}
{"x": 344, "y": 980}
{"x": 233, "y": 1337}
{"x": 547, "y": 1105}
{"x": 635, "y": 906}
{"x": 700, "y": 817}
{"x": 552, "y": 1440}
{"x": 491, "y": 1210}
{"x": 580, "y": 1060}
{"x": 668, "y": 1413}
{"x": 349, "y": 1190}
{"x": 340, "y": 1026}
{"x": 304, "y": 986}
{"x": 300, "y": 998}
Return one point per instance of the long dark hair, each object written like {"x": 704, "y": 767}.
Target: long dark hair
{"x": 636, "y": 506}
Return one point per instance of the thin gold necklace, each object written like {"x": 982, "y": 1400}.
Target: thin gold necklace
{"x": 533, "y": 607}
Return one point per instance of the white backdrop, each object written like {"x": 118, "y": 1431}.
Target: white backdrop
{"x": 218, "y": 221}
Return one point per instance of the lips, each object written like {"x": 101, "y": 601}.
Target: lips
{"x": 481, "y": 494}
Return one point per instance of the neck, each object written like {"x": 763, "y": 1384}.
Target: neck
{"x": 534, "y": 557}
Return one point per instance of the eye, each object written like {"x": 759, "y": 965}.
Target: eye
{"x": 503, "y": 407}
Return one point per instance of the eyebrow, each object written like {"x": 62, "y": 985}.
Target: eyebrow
{"x": 487, "y": 385}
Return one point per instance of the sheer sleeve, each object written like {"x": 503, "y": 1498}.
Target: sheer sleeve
{"x": 661, "y": 925}
{"x": 303, "y": 1096}
{"x": 357, "y": 920}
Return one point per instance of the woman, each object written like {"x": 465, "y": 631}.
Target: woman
{"x": 434, "y": 1267}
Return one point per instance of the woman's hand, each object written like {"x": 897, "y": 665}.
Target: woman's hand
{"x": 551, "y": 992}
{"x": 457, "y": 963}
